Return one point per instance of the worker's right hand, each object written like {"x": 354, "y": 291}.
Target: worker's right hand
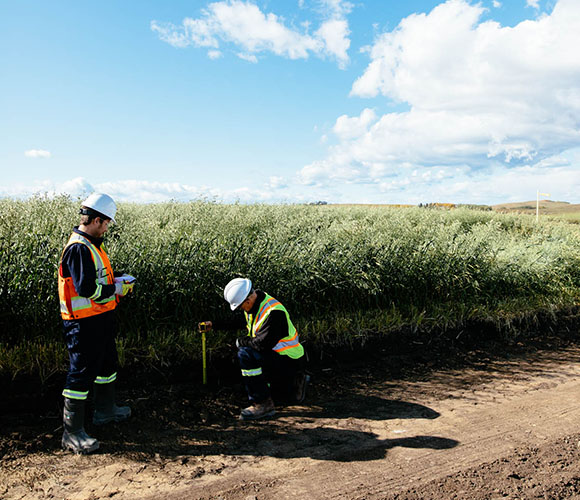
{"x": 205, "y": 326}
{"x": 123, "y": 289}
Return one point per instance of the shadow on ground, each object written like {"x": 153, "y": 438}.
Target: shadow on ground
{"x": 168, "y": 425}
{"x": 184, "y": 419}
{"x": 365, "y": 407}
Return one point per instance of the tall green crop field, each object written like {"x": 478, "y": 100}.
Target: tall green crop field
{"x": 342, "y": 272}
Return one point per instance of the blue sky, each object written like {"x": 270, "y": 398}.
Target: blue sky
{"x": 291, "y": 101}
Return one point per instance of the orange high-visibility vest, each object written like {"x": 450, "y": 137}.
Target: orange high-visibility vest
{"x": 289, "y": 345}
{"x": 72, "y": 305}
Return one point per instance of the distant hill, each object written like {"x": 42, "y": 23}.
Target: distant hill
{"x": 547, "y": 207}
{"x": 564, "y": 209}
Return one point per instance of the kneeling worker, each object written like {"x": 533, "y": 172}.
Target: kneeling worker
{"x": 270, "y": 356}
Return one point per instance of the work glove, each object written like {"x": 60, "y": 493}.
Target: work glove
{"x": 242, "y": 342}
{"x": 123, "y": 289}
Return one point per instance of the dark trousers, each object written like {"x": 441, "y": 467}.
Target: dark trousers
{"x": 91, "y": 348}
{"x": 268, "y": 374}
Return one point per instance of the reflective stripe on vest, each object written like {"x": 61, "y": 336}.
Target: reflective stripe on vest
{"x": 72, "y": 305}
{"x": 289, "y": 345}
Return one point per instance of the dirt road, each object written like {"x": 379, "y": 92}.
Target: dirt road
{"x": 501, "y": 422}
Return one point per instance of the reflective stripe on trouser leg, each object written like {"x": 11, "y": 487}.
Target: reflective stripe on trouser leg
{"x": 92, "y": 351}
{"x": 80, "y": 395}
{"x": 251, "y": 373}
{"x": 254, "y": 381}
{"x": 106, "y": 380}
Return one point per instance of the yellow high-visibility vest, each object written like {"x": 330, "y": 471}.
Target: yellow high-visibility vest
{"x": 289, "y": 345}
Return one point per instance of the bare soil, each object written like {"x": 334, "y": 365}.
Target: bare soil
{"x": 496, "y": 420}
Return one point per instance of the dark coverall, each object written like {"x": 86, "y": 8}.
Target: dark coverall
{"x": 90, "y": 341}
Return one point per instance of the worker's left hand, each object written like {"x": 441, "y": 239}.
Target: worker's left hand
{"x": 242, "y": 342}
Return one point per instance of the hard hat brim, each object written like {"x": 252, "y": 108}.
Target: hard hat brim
{"x": 95, "y": 213}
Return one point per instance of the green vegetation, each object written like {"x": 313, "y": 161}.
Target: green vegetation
{"x": 572, "y": 217}
{"x": 342, "y": 272}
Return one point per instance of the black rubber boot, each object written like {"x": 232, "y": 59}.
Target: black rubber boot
{"x": 105, "y": 408}
{"x": 74, "y": 437}
{"x": 300, "y": 385}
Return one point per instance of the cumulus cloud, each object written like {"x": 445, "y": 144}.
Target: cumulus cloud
{"x": 77, "y": 187}
{"x": 479, "y": 95}
{"x": 412, "y": 184}
{"x": 533, "y": 3}
{"x": 334, "y": 34}
{"x": 415, "y": 184}
{"x": 348, "y": 128}
{"x": 243, "y": 25}
{"x": 37, "y": 153}
{"x": 495, "y": 185}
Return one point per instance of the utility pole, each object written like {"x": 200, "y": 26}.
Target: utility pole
{"x": 538, "y": 204}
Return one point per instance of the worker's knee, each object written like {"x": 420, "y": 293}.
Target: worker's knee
{"x": 248, "y": 356}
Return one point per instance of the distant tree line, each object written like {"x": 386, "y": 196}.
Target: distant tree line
{"x": 470, "y": 206}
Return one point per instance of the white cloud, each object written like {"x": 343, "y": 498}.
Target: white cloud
{"x": 276, "y": 182}
{"x": 478, "y": 95}
{"x": 37, "y": 153}
{"x": 25, "y": 190}
{"x": 558, "y": 175}
{"x": 462, "y": 184}
{"x": 78, "y": 187}
{"x": 138, "y": 191}
{"x": 150, "y": 192}
{"x": 335, "y": 34}
{"x": 533, "y": 3}
{"x": 338, "y": 8}
{"x": 502, "y": 184}
{"x": 496, "y": 4}
{"x": 243, "y": 25}
{"x": 348, "y": 128}
{"x": 248, "y": 57}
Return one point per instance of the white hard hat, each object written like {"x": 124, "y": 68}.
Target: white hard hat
{"x": 236, "y": 291}
{"x": 102, "y": 203}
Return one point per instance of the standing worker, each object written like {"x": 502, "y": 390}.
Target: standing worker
{"x": 271, "y": 357}
{"x": 88, "y": 294}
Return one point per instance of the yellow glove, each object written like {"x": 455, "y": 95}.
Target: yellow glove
{"x": 123, "y": 289}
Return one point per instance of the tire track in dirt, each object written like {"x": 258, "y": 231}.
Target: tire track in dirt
{"x": 365, "y": 436}
{"x": 492, "y": 422}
